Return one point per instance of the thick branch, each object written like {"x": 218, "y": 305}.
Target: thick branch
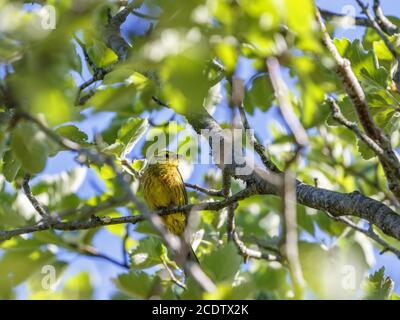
{"x": 337, "y": 204}
{"x": 389, "y": 159}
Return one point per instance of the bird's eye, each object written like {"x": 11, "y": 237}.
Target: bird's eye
{"x": 167, "y": 155}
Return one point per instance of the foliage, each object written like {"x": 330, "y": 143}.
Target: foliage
{"x": 177, "y": 58}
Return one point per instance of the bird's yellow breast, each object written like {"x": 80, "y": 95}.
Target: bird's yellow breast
{"x": 163, "y": 187}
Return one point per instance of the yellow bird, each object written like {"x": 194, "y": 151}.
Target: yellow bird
{"x": 163, "y": 187}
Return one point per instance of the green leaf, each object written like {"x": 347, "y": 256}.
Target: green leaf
{"x": 365, "y": 150}
{"x": 18, "y": 265}
{"x": 225, "y": 291}
{"x": 305, "y": 221}
{"x": 35, "y": 283}
{"x": 136, "y": 284}
{"x": 185, "y": 84}
{"x": 72, "y": 133}
{"x": 53, "y": 103}
{"x": 381, "y": 50}
{"x": 355, "y": 52}
{"x": 260, "y": 95}
{"x": 268, "y": 278}
{"x": 119, "y": 74}
{"x": 100, "y": 54}
{"x": 231, "y": 263}
{"x": 11, "y": 166}
{"x": 60, "y": 187}
{"x": 147, "y": 254}
{"x": 377, "y": 286}
{"x": 334, "y": 273}
{"x": 113, "y": 98}
{"x": 128, "y": 135}
{"x": 78, "y": 287}
{"x": 227, "y": 52}
{"x": 29, "y": 146}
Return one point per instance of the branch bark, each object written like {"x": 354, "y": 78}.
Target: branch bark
{"x": 335, "y": 203}
{"x": 388, "y": 159}
{"x": 385, "y": 24}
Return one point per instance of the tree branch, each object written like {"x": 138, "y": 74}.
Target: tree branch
{"x": 285, "y": 106}
{"x": 375, "y": 25}
{"x": 210, "y": 192}
{"x": 174, "y": 279}
{"x": 371, "y": 234}
{"x": 380, "y": 23}
{"x": 124, "y": 243}
{"x": 35, "y": 203}
{"x": 336, "y": 203}
{"x": 258, "y": 147}
{"x": 340, "y": 118}
{"x": 359, "y": 21}
{"x": 92, "y": 252}
{"x": 389, "y": 159}
{"x": 385, "y": 24}
{"x": 351, "y": 85}
{"x": 112, "y": 34}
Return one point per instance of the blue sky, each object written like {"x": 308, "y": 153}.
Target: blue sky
{"x": 101, "y": 271}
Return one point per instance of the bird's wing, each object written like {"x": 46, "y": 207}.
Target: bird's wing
{"x": 177, "y": 189}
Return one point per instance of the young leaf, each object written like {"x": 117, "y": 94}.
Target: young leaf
{"x": 29, "y": 146}
{"x": 147, "y": 254}
{"x": 377, "y": 286}
{"x": 72, "y": 133}
{"x": 136, "y": 284}
{"x": 11, "y": 166}
{"x": 231, "y": 259}
{"x": 128, "y": 135}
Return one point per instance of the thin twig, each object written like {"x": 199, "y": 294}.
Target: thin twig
{"x": 226, "y": 187}
{"x": 374, "y": 24}
{"x": 258, "y": 147}
{"x": 351, "y": 84}
{"x": 266, "y": 245}
{"x": 291, "y": 235}
{"x": 174, "y": 279}
{"x": 232, "y": 232}
{"x": 86, "y": 212}
{"x": 371, "y": 234}
{"x": 35, "y": 203}
{"x": 124, "y": 243}
{"x": 127, "y": 166}
{"x": 359, "y": 21}
{"x": 381, "y": 25}
{"x": 92, "y": 252}
{"x": 285, "y": 106}
{"x": 340, "y": 118}
{"x": 210, "y": 192}
{"x": 289, "y": 232}
{"x": 144, "y": 15}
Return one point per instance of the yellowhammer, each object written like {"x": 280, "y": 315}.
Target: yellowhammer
{"x": 163, "y": 187}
